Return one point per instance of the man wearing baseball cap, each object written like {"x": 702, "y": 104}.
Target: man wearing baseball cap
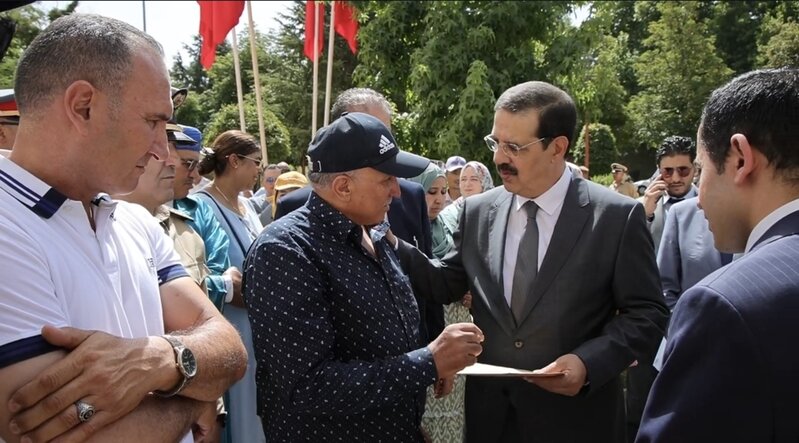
{"x": 453, "y": 169}
{"x": 335, "y": 324}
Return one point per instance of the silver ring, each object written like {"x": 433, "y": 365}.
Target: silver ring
{"x": 85, "y": 411}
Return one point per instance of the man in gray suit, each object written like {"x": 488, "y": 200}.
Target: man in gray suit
{"x": 687, "y": 253}
{"x": 544, "y": 292}
{"x": 675, "y": 159}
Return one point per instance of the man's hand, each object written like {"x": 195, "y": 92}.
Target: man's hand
{"x": 235, "y": 277}
{"x": 653, "y": 193}
{"x": 207, "y": 428}
{"x": 443, "y": 387}
{"x": 110, "y": 373}
{"x": 466, "y": 301}
{"x": 570, "y": 384}
{"x": 457, "y": 347}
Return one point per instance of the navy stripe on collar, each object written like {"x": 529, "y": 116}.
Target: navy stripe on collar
{"x": 24, "y": 349}
{"x": 45, "y": 206}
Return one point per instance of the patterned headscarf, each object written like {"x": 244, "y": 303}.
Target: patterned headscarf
{"x": 483, "y": 172}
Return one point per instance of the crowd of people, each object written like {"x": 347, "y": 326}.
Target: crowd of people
{"x": 162, "y": 287}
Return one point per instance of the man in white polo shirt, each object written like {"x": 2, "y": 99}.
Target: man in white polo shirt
{"x": 90, "y": 285}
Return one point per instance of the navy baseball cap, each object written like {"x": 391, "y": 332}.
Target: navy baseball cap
{"x": 357, "y": 140}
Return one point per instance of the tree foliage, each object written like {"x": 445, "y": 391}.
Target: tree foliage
{"x": 638, "y": 70}
{"x": 603, "y": 147}
{"x": 677, "y": 72}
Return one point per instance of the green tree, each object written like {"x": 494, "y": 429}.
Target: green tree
{"x": 677, "y": 73}
{"x": 277, "y": 136}
{"x": 603, "y": 147}
{"x": 782, "y": 48}
{"x": 29, "y": 20}
{"x": 463, "y": 54}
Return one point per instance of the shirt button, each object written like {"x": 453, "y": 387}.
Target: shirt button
{"x": 518, "y": 344}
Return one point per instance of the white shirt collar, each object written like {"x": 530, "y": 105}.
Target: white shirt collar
{"x": 550, "y": 200}
{"x": 768, "y": 221}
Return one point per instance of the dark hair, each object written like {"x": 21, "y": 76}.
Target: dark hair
{"x": 232, "y": 142}
{"x": 75, "y": 47}
{"x": 763, "y": 106}
{"x": 676, "y": 145}
{"x": 357, "y": 100}
{"x": 557, "y": 115}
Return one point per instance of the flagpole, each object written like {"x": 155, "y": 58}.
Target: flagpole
{"x": 144, "y": 16}
{"x": 331, "y": 39}
{"x": 257, "y": 81}
{"x": 237, "y": 69}
{"x": 314, "y": 104}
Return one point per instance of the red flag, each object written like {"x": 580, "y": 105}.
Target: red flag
{"x": 346, "y": 23}
{"x": 216, "y": 20}
{"x": 317, "y": 14}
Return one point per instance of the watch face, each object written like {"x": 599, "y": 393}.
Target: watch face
{"x": 188, "y": 363}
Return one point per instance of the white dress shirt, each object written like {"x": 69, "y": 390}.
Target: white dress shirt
{"x": 550, "y": 204}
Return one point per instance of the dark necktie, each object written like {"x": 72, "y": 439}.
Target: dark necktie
{"x": 526, "y": 263}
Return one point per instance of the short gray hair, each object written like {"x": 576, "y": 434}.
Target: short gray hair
{"x": 76, "y": 47}
{"x": 357, "y": 100}
{"x": 325, "y": 179}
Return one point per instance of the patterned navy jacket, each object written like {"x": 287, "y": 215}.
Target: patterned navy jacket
{"x": 335, "y": 332}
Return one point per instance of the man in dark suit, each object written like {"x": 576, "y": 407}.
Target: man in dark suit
{"x": 579, "y": 312}
{"x": 407, "y": 213}
{"x": 731, "y": 370}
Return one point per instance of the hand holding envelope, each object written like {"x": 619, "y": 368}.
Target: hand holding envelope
{"x": 565, "y": 376}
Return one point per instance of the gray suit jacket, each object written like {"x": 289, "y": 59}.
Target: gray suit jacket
{"x": 597, "y": 295}
{"x": 687, "y": 253}
{"x": 656, "y": 225}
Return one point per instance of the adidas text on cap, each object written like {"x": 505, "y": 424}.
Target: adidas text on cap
{"x": 357, "y": 140}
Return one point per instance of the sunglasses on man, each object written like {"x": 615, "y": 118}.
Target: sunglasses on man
{"x": 684, "y": 171}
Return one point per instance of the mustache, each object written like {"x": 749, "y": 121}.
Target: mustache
{"x": 507, "y": 168}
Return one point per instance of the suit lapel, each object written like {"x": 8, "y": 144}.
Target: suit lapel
{"x": 570, "y": 224}
{"x": 498, "y": 225}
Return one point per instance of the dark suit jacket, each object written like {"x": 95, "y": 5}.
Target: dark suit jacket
{"x": 597, "y": 295}
{"x": 687, "y": 252}
{"x": 731, "y": 371}
{"x": 407, "y": 216}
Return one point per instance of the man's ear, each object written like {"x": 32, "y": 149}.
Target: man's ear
{"x": 342, "y": 187}
{"x": 743, "y": 158}
{"x": 80, "y": 102}
{"x": 559, "y": 146}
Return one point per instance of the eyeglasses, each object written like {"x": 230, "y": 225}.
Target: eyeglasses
{"x": 190, "y": 165}
{"x": 510, "y": 149}
{"x": 684, "y": 171}
{"x": 258, "y": 162}
{"x": 270, "y": 179}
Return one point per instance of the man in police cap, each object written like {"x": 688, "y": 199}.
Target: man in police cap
{"x": 621, "y": 184}
{"x": 335, "y": 324}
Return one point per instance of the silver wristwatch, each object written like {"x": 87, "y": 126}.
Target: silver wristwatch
{"x": 185, "y": 362}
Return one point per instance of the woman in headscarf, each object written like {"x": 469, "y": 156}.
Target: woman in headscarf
{"x": 475, "y": 179}
{"x": 443, "y": 420}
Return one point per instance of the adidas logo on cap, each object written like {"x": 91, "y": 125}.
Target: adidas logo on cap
{"x": 385, "y": 144}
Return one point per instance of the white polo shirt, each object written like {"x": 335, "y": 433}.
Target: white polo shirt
{"x": 54, "y": 269}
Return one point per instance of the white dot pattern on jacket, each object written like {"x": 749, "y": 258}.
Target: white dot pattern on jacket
{"x": 335, "y": 331}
